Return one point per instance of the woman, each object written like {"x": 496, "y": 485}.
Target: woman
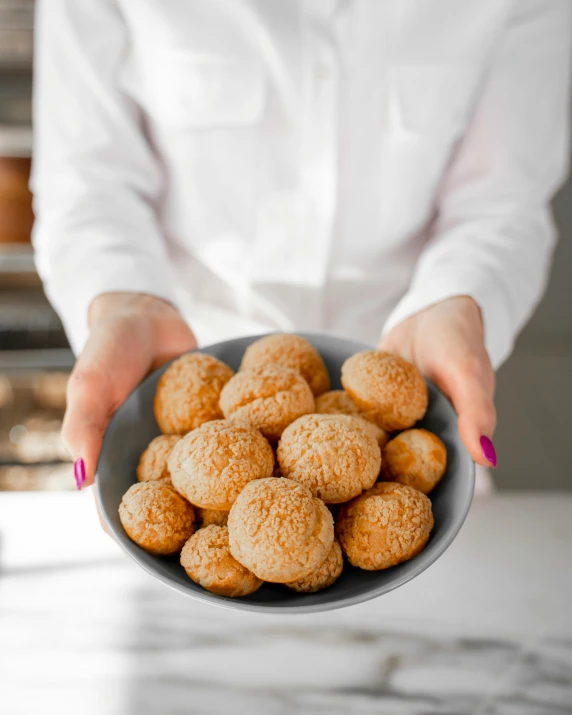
{"x": 380, "y": 170}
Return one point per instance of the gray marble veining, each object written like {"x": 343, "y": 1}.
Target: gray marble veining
{"x": 83, "y": 630}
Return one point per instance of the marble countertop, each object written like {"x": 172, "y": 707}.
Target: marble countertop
{"x": 486, "y": 631}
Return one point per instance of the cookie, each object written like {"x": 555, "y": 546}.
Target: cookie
{"x": 207, "y": 560}
{"x": 279, "y": 531}
{"x": 335, "y": 456}
{"x": 387, "y": 388}
{"x": 156, "y": 518}
{"x": 415, "y": 457}
{"x": 291, "y": 351}
{"x": 384, "y": 526}
{"x": 211, "y": 465}
{"x": 325, "y": 575}
{"x": 206, "y": 517}
{"x": 188, "y": 393}
{"x": 153, "y": 462}
{"x": 338, "y": 402}
{"x": 269, "y": 398}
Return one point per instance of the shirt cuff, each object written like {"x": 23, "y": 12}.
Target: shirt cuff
{"x": 498, "y": 328}
{"x": 72, "y": 296}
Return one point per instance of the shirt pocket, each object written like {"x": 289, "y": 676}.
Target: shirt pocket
{"x": 432, "y": 99}
{"x": 203, "y": 90}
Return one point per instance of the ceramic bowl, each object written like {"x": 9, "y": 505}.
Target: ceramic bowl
{"x": 134, "y": 426}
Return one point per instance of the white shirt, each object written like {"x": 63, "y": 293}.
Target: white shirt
{"x": 322, "y": 165}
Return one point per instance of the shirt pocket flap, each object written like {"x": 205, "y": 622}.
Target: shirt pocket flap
{"x": 429, "y": 99}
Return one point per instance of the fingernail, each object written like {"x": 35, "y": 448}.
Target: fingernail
{"x": 489, "y": 450}
{"x": 79, "y": 472}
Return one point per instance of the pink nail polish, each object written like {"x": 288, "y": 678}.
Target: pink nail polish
{"x": 79, "y": 473}
{"x": 489, "y": 450}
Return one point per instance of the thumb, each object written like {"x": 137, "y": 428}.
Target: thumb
{"x": 470, "y": 386}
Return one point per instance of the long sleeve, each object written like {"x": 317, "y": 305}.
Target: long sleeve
{"x": 493, "y": 234}
{"x": 95, "y": 180}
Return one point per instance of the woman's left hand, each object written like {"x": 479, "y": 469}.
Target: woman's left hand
{"x": 446, "y": 342}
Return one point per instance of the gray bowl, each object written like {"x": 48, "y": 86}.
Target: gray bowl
{"x": 134, "y": 426}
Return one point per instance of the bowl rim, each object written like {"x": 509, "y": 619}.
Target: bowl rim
{"x": 130, "y": 548}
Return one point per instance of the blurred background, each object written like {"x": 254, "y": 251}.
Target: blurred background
{"x": 534, "y": 386}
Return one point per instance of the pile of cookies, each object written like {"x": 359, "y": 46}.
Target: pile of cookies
{"x": 253, "y": 468}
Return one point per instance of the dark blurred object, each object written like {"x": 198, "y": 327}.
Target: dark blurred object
{"x": 16, "y": 52}
{"x": 35, "y": 358}
{"x": 31, "y": 403}
{"x": 32, "y": 454}
{"x": 28, "y": 323}
{"x": 16, "y": 100}
{"x": 16, "y": 34}
{"x": 16, "y": 215}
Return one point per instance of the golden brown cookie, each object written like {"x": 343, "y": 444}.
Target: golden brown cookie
{"x": 207, "y": 560}
{"x": 279, "y": 531}
{"x": 327, "y": 572}
{"x": 156, "y": 518}
{"x": 335, "y": 456}
{"x": 290, "y": 351}
{"x": 206, "y": 517}
{"x": 338, "y": 402}
{"x": 211, "y": 465}
{"x": 153, "y": 462}
{"x": 269, "y": 398}
{"x": 384, "y": 526}
{"x": 415, "y": 457}
{"x": 188, "y": 393}
{"x": 390, "y": 390}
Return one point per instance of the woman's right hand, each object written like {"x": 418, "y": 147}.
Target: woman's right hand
{"x": 130, "y": 335}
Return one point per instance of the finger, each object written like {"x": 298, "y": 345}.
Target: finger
{"x": 174, "y": 339}
{"x": 89, "y": 409}
{"x": 477, "y": 422}
{"x": 110, "y": 366}
{"x": 398, "y": 341}
{"x": 469, "y": 384}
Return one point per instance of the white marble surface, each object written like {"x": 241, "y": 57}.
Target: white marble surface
{"x": 486, "y": 631}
